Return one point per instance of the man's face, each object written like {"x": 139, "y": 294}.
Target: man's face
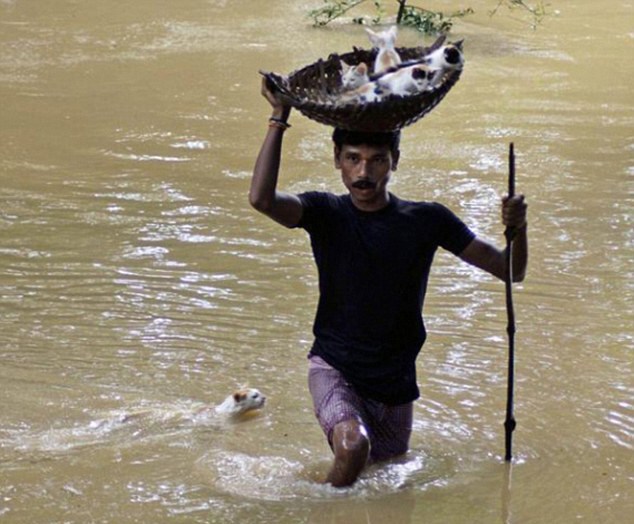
{"x": 365, "y": 171}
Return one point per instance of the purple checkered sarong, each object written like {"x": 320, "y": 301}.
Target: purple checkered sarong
{"x": 335, "y": 401}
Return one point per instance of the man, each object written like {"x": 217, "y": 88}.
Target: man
{"x": 373, "y": 253}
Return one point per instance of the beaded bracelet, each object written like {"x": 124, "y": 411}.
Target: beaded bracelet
{"x": 278, "y": 123}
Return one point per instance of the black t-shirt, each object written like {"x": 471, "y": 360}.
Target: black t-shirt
{"x": 373, "y": 269}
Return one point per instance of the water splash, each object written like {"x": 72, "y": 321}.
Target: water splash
{"x": 277, "y": 478}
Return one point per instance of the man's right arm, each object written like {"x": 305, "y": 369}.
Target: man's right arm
{"x": 284, "y": 208}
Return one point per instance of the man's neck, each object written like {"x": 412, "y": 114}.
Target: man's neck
{"x": 370, "y": 206}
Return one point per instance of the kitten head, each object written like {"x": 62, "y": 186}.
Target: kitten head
{"x": 241, "y": 401}
{"x": 421, "y": 73}
{"x": 384, "y": 39}
{"x": 448, "y": 57}
{"x": 452, "y": 54}
{"x": 248, "y": 399}
{"x": 353, "y": 76}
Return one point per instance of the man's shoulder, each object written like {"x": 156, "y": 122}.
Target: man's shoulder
{"x": 418, "y": 206}
{"x": 321, "y": 199}
{"x": 320, "y": 208}
{"x": 427, "y": 213}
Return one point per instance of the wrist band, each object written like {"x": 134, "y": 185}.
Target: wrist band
{"x": 279, "y": 123}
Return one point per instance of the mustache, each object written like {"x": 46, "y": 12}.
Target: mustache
{"x": 363, "y": 183}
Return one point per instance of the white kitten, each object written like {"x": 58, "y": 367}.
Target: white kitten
{"x": 448, "y": 57}
{"x": 353, "y": 76}
{"x": 387, "y": 56}
{"x": 406, "y": 81}
{"x": 370, "y": 92}
{"x": 240, "y": 402}
{"x": 409, "y": 80}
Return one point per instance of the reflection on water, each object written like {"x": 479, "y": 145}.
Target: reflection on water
{"x": 137, "y": 286}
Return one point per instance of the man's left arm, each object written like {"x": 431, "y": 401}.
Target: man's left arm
{"x": 493, "y": 260}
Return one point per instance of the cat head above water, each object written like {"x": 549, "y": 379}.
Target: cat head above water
{"x": 241, "y": 401}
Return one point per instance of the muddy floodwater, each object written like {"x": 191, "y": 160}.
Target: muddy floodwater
{"x": 137, "y": 286}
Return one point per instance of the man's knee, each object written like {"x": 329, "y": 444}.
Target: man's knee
{"x": 350, "y": 436}
{"x": 351, "y": 447}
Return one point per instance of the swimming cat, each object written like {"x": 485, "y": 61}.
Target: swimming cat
{"x": 241, "y": 401}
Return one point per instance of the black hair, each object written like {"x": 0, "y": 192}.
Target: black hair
{"x": 391, "y": 139}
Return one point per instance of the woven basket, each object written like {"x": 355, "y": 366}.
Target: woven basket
{"x": 314, "y": 90}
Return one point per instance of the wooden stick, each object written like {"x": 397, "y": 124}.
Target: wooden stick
{"x": 509, "y": 423}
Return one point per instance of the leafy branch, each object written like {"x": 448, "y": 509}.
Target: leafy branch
{"x": 419, "y": 18}
{"x": 538, "y": 11}
{"x": 332, "y": 10}
{"x": 427, "y": 21}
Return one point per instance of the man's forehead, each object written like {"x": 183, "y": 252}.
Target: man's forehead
{"x": 366, "y": 150}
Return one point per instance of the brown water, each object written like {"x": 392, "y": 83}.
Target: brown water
{"x": 136, "y": 281}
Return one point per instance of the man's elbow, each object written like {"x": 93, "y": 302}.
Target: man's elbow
{"x": 263, "y": 205}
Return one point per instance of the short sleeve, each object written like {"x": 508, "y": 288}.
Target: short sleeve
{"x": 454, "y": 234}
{"x": 315, "y": 207}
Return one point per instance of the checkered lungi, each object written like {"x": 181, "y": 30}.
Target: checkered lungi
{"x": 335, "y": 400}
